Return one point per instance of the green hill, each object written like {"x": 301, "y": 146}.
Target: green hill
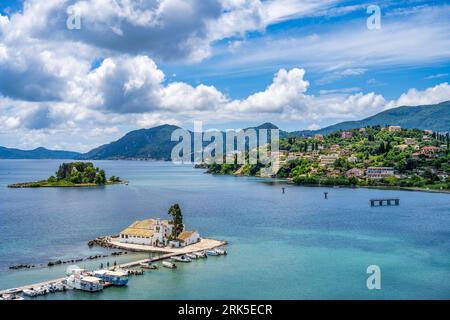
{"x": 39, "y": 153}
{"x": 153, "y": 143}
{"x": 434, "y": 117}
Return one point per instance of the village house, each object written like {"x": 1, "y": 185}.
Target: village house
{"x": 379, "y": 172}
{"x": 327, "y": 160}
{"x": 355, "y": 172}
{"x": 352, "y": 159}
{"x": 428, "y": 132}
{"x": 402, "y": 147}
{"x": 334, "y": 147}
{"x": 394, "y": 129}
{"x": 318, "y": 136}
{"x": 410, "y": 141}
{"x": 443, "y": 176}
{"x": 185, "y": 238}
{"x": 346, "y": 135}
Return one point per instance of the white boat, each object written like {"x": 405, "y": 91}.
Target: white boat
{"x": 182, "y": 258}
{"x": 191, "y": 256}
{"x": 12, "y": 296}
{"x": 85, "y": 283}
{"x": 117, "y": 277}
{"x": 60, "y": 286}
{"x": 201, "y": 254}
{"x": 12, "y": 291}
{"x": 212, "y": 252}
{"x": 41, "y": 291}
{"x": 30, "y": 292}
{"x": 148, "y": 265}
{"x": 221, "y": 251}
{"x": 169, "y": 265}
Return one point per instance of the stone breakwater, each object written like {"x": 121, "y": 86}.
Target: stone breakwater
{"x": 100, "y": 241}
{"x": 104, "y": 242}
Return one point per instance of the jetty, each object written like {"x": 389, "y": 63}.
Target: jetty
{"x": 384, "y": 202}
{"x": 204, "y": 244}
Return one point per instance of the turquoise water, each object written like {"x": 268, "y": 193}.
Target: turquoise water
{"x": 295, "y": 245}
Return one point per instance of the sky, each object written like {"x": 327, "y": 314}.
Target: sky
{"x": 77, "y": 74}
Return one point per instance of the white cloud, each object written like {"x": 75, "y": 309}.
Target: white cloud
{"x": 413, "y": 97}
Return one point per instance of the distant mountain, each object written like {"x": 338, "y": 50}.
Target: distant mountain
{"x": 434, "y": 117}
{"x": 39, "y": 153}
{"x": 153, "y": 143}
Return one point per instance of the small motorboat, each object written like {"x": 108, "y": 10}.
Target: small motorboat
{"x": 222, "y": 252}
{"x": 212, "y": 252}
{"x": 191, "y": 256}
{"x": 169, "y": 265}
{"x": 201, "y": 254}
{"x": 13, "y": 291}
{"x": 30, "y": 292}
{"x": 60, "y": 286}
{"x": 41, "y": 291}
{"x": 182, "y": 258}
{"x": 12, "y": 296}
{"x": 148, "y": 265}
{"x": 51, "y": 288}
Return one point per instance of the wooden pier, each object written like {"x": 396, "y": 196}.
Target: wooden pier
{"x": 384, "y": 202}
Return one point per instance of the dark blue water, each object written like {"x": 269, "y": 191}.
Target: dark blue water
{"x": 295, "y": 245}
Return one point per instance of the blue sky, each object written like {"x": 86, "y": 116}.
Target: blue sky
{"x": 228, "y": 63}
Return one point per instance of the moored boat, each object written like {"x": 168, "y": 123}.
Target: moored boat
{"x": 182, "y": 258}
{"x": 221, "y": 251}
{"x": 191, "y": 256}
{"x": 148, "y": 265}
{"x": 116, "y": 278}
{"x": 212, "y": 252}
{"x": 30, "y": 292}
{"x": 84, "y": 283}
{"x": 169, "y": 265}
{"x": 201, "y": 254}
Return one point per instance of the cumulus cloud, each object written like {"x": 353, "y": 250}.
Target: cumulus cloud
{"x": 414, "y": 97}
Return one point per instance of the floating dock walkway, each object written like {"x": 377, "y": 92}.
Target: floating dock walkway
{"x": 384, "y": 202}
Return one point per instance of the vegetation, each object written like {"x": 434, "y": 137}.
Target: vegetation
{"x": 413, "y": 158}
{"x": 177, "y": 220}
{"x": 74, "y": 174}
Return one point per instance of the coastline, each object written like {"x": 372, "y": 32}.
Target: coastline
{"x": 289, "y": 181}
{"x": 40, "y": 184}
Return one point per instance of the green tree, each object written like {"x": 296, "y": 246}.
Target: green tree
{"x": 177, "y": 220}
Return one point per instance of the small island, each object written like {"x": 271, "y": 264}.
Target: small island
{"x": 74, "y": 174}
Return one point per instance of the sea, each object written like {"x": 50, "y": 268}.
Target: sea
{"x": 291, "y": 245}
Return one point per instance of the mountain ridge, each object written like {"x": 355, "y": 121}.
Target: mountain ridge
{"x": 155, "y": 143}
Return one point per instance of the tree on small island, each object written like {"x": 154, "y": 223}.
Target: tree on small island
{"x": 177, "y": 220}
{"x": 73, "y": 174}
{"x": 81, "y": 173}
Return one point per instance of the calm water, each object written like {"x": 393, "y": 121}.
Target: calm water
{"x": 282, "y": 246}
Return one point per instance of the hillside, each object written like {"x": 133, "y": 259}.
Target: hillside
{"x": 39, "y": 153}
{"x": 153, "y": 143}
{"x": 434, "y": 117}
